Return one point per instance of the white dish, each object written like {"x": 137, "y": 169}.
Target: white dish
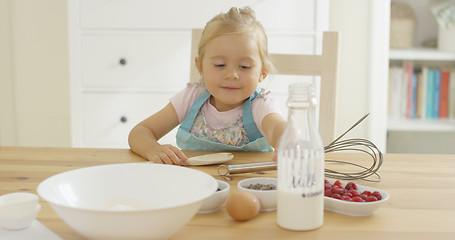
{"x": 19, "y": 220}
{"x": 355, "y": 208}
{"x": 267, "y": 198}
{"x": 18, "y": 203}
{"x": 214, "y": 202}
{"x": 18, "y": 210}
{"x": 128, "y": 201}
{"x": 210, "y": 159}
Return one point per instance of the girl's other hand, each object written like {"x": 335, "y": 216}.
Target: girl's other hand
{"x": 167, "y": 154}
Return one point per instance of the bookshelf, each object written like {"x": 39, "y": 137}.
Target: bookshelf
{"x": 429, "y": 57}
{"x": 421, "y": 54}
{"x": 423, "y": 125}
{"x": 421, "y": 135}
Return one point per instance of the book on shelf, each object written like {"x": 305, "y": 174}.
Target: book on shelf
{"x": 395, "y": 92}
{"x": 421, "y": 92}
{"x": 451, "y": 106}
{"x": 411, "y": 91}
{"x": 430, "y": 94}
{"x": 437, "y": 92}
{"x": 444, "y": 94}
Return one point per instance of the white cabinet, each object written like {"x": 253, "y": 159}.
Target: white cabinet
{"x": 128, "y": 57}
{"x": 108, "y": 117}
{"x": 292, "y": 15}
{"x": 134, "y": 60}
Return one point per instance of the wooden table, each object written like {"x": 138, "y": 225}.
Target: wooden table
{"x": 421, "y": 188}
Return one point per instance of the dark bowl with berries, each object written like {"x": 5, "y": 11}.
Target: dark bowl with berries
{"x": 352, "y": 199}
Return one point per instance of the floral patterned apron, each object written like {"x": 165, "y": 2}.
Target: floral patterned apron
{"x": 243, "y": 135}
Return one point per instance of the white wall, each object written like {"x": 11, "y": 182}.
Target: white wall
{"x": 348, "y": 18}
{"x": 7, "y": 126}
{"x": 363, "y": 66}
{"x": 38, "y": 83}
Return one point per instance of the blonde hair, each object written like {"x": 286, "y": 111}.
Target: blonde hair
{"x": 237, "y": 20}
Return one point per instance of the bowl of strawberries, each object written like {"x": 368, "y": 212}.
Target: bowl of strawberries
{"x": 352, "y": 199}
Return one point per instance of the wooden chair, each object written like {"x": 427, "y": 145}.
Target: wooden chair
{"x": 324, "y": 66}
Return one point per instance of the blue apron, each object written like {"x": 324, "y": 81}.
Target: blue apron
{"x": 187, "y": 141}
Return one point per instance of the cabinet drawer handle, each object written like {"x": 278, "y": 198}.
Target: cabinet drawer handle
{"x": 122, "y": 61}
{"x": 123, "y": 119}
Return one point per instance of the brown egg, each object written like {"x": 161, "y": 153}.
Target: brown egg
{"x": 242, "y": 206}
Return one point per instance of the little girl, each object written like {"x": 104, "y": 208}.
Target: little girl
{"x": 226, "y": 112}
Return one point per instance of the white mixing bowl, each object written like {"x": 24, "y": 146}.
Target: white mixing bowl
{"x": 128, "y": 201}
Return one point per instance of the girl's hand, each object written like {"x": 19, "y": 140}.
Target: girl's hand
{"x": 167, "y": 154}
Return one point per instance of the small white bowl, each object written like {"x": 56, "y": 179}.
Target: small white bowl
{"x": 19, "y": 220}
{"x": 214, "y": 202}
{"x": 19, "y": 203}
{"x": 18, "y": 210}
{"x": 267, "y": 198}
{"x": 358, "y": 209}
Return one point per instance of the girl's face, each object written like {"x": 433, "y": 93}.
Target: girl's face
{"x": 231, "y": 69}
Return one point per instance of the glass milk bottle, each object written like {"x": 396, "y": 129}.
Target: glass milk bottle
{"x": 301, "y": 164}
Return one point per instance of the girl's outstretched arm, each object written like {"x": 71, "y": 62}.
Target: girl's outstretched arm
{"x": 273, "y": 125}
{"x": 143, "y": 138}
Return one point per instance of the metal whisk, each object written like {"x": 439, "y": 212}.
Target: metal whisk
{"x": 337, "y": 145}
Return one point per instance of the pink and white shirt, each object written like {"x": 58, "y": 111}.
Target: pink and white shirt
{"x": 219, "y": 122}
